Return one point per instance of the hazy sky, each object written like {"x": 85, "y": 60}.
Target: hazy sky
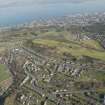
{"x": 4, "y": 3}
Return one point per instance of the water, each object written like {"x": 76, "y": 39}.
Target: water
{"x": 20, "y": 14}
{"x": 2, "y": 100}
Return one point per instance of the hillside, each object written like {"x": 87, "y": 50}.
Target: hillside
{"x": 53, "y": 66}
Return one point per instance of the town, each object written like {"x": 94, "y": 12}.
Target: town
{"x": 54, "y": 62}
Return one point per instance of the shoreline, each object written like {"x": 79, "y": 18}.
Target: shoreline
{"x": 52, "y": 19}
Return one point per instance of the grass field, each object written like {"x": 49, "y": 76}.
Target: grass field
{"x": 10, "y": 100}
{"x": 93, "y": 75}
{"x": 4, "y": 74}
{"x": 74, "y": 48}
{"x": 91, "y": 43}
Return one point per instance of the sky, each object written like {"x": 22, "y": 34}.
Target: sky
{"x": 14, "y": 12}
{"x": 7, "y": 3}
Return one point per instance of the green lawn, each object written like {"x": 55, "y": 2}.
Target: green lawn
{"x": 91, "y": 43}
{"x": 73, "y": 48}
{"x": 92, "y": 75}
{"x": 4, "y": 74}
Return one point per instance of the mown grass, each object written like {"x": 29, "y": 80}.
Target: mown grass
{"x": 50, "y": 103}
{"x": 92, "y": 75}
{"x": 101, "y": 90}
{"x": 46, "y": 42}
{"x": 10, "y": 100}
{"x": 91, "y": 43}
{"x": 84, "y": 52}
{"x": 4, "y": 74}
{"x": 70, "y": 37}
{"x": 73, "y": 48}
{"x": 2, "y": 49}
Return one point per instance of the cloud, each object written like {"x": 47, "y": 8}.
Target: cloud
{"x": 9, "y": 3}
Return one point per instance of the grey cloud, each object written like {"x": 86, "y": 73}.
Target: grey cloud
{"x": 9, "y": 3}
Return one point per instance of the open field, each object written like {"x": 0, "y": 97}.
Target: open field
{"x": 4, "y": 74}
{"x": 76, "y": 49}
{"x": 93, "y": 75}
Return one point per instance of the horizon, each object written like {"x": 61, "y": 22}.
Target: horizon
{"x": 13, "y": 12}
{"x": 14, "y": 3}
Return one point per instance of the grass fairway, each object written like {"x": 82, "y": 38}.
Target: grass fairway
{"x": 9, "y": 100}
{"x": 92, "y": 75}
{"x": 91, "y": 43}
{"x": 73, "y": 48}
{"x": 4, "y": 74}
